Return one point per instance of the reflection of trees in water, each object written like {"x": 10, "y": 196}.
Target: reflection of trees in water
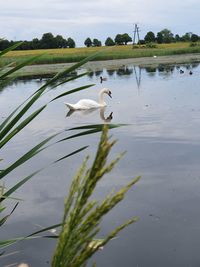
{"x": 187, "y": 66}
{"x": 124, "y": 70}
{"x": 161, "y": 68}
{"x": 150, "y": 69}
{"x": 191, "y": 66}
{"x": 194, "y": 65}
{"x": 25, "y": 81}
{"x": 167, "y": 69}
{"x": 110, "y": 72}
{"x": 90, "y": 74}
{"x": 4, "y": 84}
{"x": 98, "y": 72}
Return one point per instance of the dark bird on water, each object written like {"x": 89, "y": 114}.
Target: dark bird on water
{"x": 102, "y": 79}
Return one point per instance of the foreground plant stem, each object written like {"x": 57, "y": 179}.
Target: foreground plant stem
{"x": 82, "y": 216}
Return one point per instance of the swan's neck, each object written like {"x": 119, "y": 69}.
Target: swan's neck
{"x": 101, "y": 99}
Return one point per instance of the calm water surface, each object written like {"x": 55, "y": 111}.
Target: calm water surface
{"x": 162, "y": 107}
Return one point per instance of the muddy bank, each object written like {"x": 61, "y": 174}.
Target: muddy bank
{"x": 49, "y": 70}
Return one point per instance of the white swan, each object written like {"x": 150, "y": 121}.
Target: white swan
{"x": 90, "y": 104}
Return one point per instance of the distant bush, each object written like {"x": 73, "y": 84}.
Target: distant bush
{"x": 142, "y": 42}
{"x": 193, "y": 44}
{"x": 136, "y": 46}
{"x": 151, "y": 45}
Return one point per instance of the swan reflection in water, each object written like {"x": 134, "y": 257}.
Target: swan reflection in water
{"x": 89, "y": 111}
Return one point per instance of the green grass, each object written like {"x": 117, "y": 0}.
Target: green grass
{"x": 52, "y": 56}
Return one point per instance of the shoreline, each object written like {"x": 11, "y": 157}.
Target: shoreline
{"x": 51, "y": 69}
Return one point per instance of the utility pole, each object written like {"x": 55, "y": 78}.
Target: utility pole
{"x": 136, "y": 34}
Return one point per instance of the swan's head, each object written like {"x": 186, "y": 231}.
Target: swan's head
{"x": 107, "y": 91}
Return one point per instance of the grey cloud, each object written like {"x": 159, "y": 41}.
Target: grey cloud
{"x": 95, "y": 18}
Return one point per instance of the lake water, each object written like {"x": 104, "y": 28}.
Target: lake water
{"x": 162, "y": 140}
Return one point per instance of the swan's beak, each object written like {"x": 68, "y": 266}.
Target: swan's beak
{"x": 110, "y": 94}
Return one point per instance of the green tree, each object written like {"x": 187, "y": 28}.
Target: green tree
{"x": 26, "y": 45}
{"x": 96, "y": 42}
{"x": 35, "y": 44}
{"x": 177, "y": 38}
{"x": 126, "y": 38}
{"x": 70, "y": 43}
{"x": 60, "y": 42}
{"x": 48, "y": 41}
{"x": 159, "y": 38}
{"x": 194, "y": 38}
{"x": 119, "y": 39}
{"x": 165, "y": 36}
{"x": 88, "y": 42}
{"x": 4, "y": 44}
{"x": 150, "y": 37}
{"x": 109, "y": 42}
{"x": 186, "y": 37}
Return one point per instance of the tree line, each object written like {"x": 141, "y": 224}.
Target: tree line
{"x": 49, "y": 41}
{"x": 166, "y": 36}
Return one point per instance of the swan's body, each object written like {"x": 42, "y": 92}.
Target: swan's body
{"x": 90, "y": 104}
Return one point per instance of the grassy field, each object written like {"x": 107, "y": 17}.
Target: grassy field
{"x": 52, "y": 56}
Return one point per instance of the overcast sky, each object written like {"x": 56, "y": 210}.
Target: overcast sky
{"x": 79, "y": 19}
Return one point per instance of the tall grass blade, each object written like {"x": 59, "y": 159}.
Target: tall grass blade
{"x": 70, "y": 79}
{"x": 97, "y": 126}
{"x": 21, "y": 126}
{"x": 6, "y": 243}
{"x": 67, "y": 71}
{"x": 18, "y": 185}
{"x": 92, "y": 129}
{"x": 73, "y": 91}
{"x": 30, "y": 154}
{"x": 3, "y": 220}
{"x": 19, "y": 66}
{"x": 71, "y": 154}
{"x": 80, "y": 134}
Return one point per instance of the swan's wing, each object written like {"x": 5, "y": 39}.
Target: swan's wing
{"x": 87, "y": 104}
{"x": 83, "y": 104}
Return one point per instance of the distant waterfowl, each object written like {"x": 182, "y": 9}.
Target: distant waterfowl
{"x": 102, "y": 79}
{"x": 190, "y": 72}
{"x": 90, "y": 104}
{"x": 181, "y": 71}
